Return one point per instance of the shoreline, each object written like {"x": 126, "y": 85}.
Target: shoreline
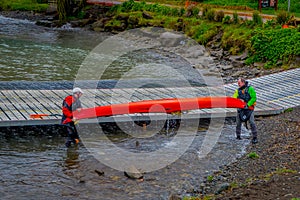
{"x": 275, "y": 173}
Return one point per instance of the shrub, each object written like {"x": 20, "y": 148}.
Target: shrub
{"x": 257, "y": 19}
{"x": 205, "y": 10}
{"x": 274, "y": 45}
{"x": 195, "y": 11}
{"x": 235, "y": 18}
{"x": 226, "y": 20}
{"x": 236, "y": 40}
{"x": 220, "y": 15}
{"x": 210, "y": 15}
{"x": 282, "y": 17}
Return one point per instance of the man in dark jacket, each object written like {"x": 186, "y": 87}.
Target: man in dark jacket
{"x": 248, "y": 94}
{"x": 70, "y": 104}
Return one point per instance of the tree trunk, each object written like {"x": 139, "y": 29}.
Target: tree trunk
{"x": 63, "y": 7}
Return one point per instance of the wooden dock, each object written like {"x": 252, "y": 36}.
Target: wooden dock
{"x": 275, "y": 93}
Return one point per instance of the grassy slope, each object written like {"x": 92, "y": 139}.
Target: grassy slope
{"x": 23, "y": 5}
{"x": 241, "y": 5}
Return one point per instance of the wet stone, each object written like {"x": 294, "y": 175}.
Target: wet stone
{"x": 133, "y": 173}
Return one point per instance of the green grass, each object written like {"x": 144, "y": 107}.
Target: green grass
{"x": 239, "y": 5}
{"x": 23, "y": 5}
{"x": 267, "y": 43}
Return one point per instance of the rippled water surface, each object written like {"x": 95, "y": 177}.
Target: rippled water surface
{"x": 33, "y": 53}
{"x": 38, "y": 166}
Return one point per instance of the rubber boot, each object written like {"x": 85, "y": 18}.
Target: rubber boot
{"x": 238, "y": 134}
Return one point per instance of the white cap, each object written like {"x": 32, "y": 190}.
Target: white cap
{"x": 77, "y": 89}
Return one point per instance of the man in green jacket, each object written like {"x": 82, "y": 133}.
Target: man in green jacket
{"x": 248, "y": 94}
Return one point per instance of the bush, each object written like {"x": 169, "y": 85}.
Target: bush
{"x": 195, "y": 11}
{"x": 236, "y": 19}
{"x": 257, "y": 18}
{"x": 272, "y": 46}
{"x": 282, "y": 17}
{"x": 236, "y": 40}
{"x": 220, "y": 15}
{"x": 205, "y": 10}
{"x": 226, "y": 20}
{"x": 210, "y": 15}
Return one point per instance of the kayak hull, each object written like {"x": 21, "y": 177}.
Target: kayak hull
{"x": 170, "y": 105}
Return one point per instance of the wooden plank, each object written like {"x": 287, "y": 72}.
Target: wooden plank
{"x": 5, "y": 109}
{"x": 3, "y": 115}
{"x": 48, "y": 104}
{"x": 12, "y": 107}
{"x": 31, "y": 102}
{"x": 21, "y": 107}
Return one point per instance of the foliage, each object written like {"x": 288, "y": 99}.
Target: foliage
{"x": 272, "y": 45}
{"x": 210, "y": 15}
{"x": 131, "y": 5}
{"x": 282, "y": 17}
{"x": 24, "y": 5}
{"x": 236, "y": 19}
{"x": 247, "y": 5}
{"x": 220, "y": 15}
{"x": 195, "y": 11}
{"x": 203, "y": 32}
{"x": 210, "y": 178}
{"x": 279, "y": 172}
{"x": 236, "y": 39}
{"x": 226, "y": 20}
{"x": 288, "y": 110}
{"x": 205, "y": 9}
{"x": 253, "y": 155}
{"x": 256, "y": 18}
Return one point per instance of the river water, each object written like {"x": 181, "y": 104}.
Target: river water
{"x": 36, "y": 165}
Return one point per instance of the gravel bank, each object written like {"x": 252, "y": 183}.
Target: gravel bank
{"x": 273, "y": 174}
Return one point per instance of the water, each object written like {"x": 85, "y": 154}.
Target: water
{"x": 36, "y": 165}
{"x": 32, "y": 53}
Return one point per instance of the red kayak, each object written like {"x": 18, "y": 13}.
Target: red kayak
{"x": 159, "y": 106}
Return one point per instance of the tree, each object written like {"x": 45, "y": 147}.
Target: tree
{"x": 65, "y": 7}
{"x": 62, "y": 9}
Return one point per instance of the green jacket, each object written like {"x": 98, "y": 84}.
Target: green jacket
{"x": 252, "y": 93}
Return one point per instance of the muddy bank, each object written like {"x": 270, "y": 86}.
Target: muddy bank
{"x": 268, "y": 170}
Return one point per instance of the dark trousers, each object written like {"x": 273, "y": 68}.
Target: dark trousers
{"x": 72, "y": 133}
{"x": 252, "y": 125}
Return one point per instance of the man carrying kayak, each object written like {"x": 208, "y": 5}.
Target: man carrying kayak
{"x": 248, "y": 94}
{"x": 70, "y": 104}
